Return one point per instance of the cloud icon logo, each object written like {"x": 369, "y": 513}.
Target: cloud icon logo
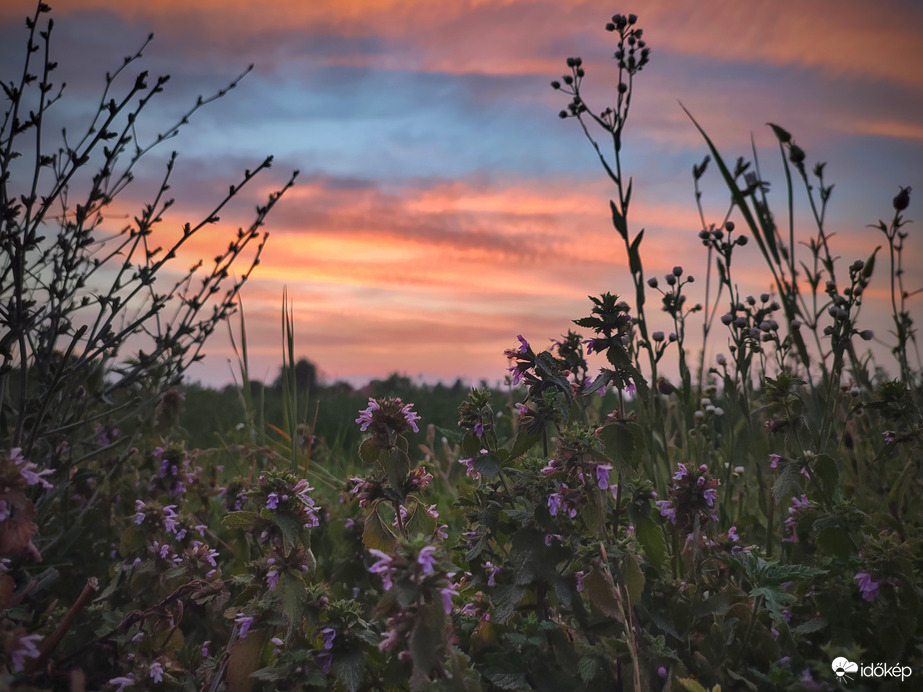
{"x": 842, "y": 666}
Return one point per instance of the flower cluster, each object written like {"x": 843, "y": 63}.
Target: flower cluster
{"x": 388, "y": 417}
{"x": 419, "y": 592}
{"x": 692, "y": 497}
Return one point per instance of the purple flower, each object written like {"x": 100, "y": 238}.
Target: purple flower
{"x": 662, "y": 671}
{"x": 4, "y": 510}
{"x": 205, "y": 648}
{"x": 517, "y": 375}
{"x": 157, "y": 671}
{"x": 122, "y": 682}
{"x": 521, "y": 409}
{"x": 523, "y": 344}
{"x": 667, "y": 510}
{"x": 426, "y": 560}
{"x": 590, "y": 345}
{"x": 888, "y": 436}
{"x": 272, "y": 501}
{"x": 28, "y": 470}
{"x": 805, "y": 472}
{"x": 774, "y": 460}
{"x": 578, "y": 576}
{"x": 272, "y": 579}
{"x": 492, "y": 571}
{"x": 447, "y": 594}
{"x": 25, "y": 648}
{"x": 710, "y": 494}
{"x": 554, "y": 503}
{"x": 681, "y": 472}
{"x": 329, "y": 634}
{"x": 732, "y": 534}
{"x": 365, "y": 417}
{"x": 411, "y": 417}
{"x": 868, "y": 586}
{"x": 602, "y": 475}
{"x": 244, "y": 621}
{"x": 479, "y": 430}
{"x": 169, "y": 518}
{"x": 382, "y": 567}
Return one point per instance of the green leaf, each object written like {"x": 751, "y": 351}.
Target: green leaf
{"x": 588, "y": 667}
{"x": 633, "y": 578}
{"x": 523, "y": 443}
{"x": 594, "y": 511}
{"x": 368, "y": 451}
{"x": 377, "y": 535}
{"x": 788, "y": 483}
{"x": 600, "y": 589}
{"x": 827, "y": 472}
{"x": 623, "y": 443}
{"x": 398, "y": 468}
{"x": 691, "y": 685}
{"x": 239, "y": 520}
{"x": 509, "y": 681}
{"x": 487, "y": 465}
{"x": 505, "y": 598}
{"x": 650, "y": 535}
{"x": 349, "y": 668}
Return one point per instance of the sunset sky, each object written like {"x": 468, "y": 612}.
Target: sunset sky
{"x": 442, "y": 206}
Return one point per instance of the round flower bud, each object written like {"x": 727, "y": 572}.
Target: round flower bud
{"x": 742, "y": 240}
{"x": 729, "y": 226}
{"x": 721, "y": 359}
{"x": 677, "y": 271}
{"x": 867, "y": 334}
{"x": 652, "y": 282}
{"x": 657, "y": 336}
{"x": 727, "y": 318}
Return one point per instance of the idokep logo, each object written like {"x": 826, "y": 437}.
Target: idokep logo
{"x": 846, "y": 669}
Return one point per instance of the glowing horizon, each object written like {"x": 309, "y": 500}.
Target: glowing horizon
{"x": 443, "y": 207}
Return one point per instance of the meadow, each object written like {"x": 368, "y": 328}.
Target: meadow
{"x": 747, "y": 523}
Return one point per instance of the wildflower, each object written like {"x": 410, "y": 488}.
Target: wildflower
{"x": 774, "y": 460}
{"x": 681, "y": 472}
{"x": 602, "y": 475}
{"x": 492, "y": 571}
{"x": 522, "y": 409}
{"x": 272, "y": 501}
{"x": 28, "y": 469}
{"x": 888, "y": 436}
{"x": 389, "y": 639}
{"x": 328, "y": 634}
{"x": 426, "y": 560}
{"x": 122, "y": 682}
{"x": 244, "y": 621}
{"x": 667, "y": 510}
{"x": 554, "y": 503}
{"x": 471, "y": 473}
{"x": 479, "y": 430}
{"x": 578, "y": 576}
{"x": 157, "y": 671}
{"x": 447, "y": 594}
{"x": 523, "y": 344}
{"x": 205, "y": 648}
{"x": 590, "y": 345}
{"x": 868, "y": 586}
{"x": 169, "y": 518}
{"x": 272, "y": 579}
{"x": 412, "y": 417}
{"x": 732, "y": 534}
{"x": 25, "y": 648}
{"x": 517, "y": 375}
{"x": 365, "y": 417}
{"x": 382, "y": 567}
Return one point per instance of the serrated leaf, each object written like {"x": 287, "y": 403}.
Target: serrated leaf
{"x": 398, "y": 468}
{"x": 836, "y": 541}
{"x": 827, "y": 472}
{"x": 622, "y": 442}
{"x": 348, "y": 668}
{"x": 487, "y": 465}
{"x": 588, "y": 667}
{"x": 509, "y": 681}
{"x": 376, "y": 535}
{"x": 787, "y": 484}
